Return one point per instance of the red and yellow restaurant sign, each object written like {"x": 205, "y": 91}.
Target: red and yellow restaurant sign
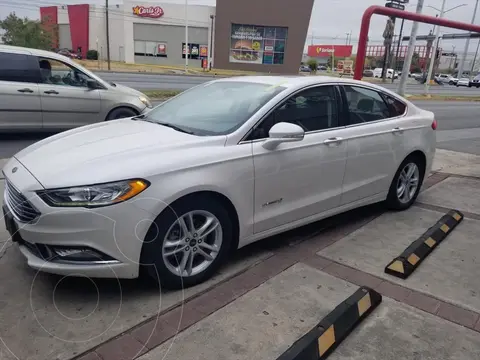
{"x": 148, "y": 11}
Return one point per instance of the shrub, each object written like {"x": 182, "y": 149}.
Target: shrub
{"x": 312, "y": 64}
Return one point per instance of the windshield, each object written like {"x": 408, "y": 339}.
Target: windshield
{"x": 216, "y": 108}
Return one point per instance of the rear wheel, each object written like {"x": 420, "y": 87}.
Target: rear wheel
{"x": 121, "y": 113}
{"x": 406, "y": 183}
{"x": 188, "y": 242}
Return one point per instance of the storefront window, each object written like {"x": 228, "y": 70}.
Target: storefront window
{"x": 195, "y": 51}
{"x": 150, "y": 48}
{"x": 254, "y": 44}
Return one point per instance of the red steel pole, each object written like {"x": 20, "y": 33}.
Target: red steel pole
{"x": 380, "y": 10}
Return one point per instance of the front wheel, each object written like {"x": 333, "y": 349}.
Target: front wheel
{"x": 121, "y": 113}
{"x": 188, "y": 242}
{"x": 406, "y": 184}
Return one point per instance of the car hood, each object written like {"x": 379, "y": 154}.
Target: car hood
{"x": 114, "y": 150}
{"x": 127, "y": 90}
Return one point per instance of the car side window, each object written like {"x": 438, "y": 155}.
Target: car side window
{"x": 397, "y": 108}
{"x": 312, "y": 109}
{"x": 58, "y": 73}
{"x": 18, "y": 68}
{"x": 365, "y": 105}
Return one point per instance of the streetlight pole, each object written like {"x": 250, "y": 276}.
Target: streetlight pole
{"x": 467, "y": 45}
{"x": 434, "y": 50}
{"x": 186, "y": 36}
{"x": 408, "y": 58}
{"x": 475, "y": 58}
{"x": 398, "y": 49}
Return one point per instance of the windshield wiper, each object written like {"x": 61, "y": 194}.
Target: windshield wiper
{"x": 173, "y": 127}
{"x": 144, "y": 118}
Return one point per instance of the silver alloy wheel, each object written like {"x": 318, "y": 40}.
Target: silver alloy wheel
{"x": 192, "y": 243}
{"x": 407, "y": 183}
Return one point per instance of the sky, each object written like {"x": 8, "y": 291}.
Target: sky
{"x": 331, "y": 20}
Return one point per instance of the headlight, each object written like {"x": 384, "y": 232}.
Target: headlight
{"x": 145, "y": 100}
{"x": 94, "y": 195}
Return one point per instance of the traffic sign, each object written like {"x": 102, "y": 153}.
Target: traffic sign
{"x": 395, "y": 5}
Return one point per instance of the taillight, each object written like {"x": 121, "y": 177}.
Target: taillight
{"x": 434, "y": 125}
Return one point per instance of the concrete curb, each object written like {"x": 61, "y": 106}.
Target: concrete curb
{"x": 442, "y": 98}
{"x": 335, "y": 327}
{"x": 404, "y": 265}
{"x": 162, "y": 73}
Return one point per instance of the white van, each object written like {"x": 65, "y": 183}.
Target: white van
{"x": 390, "y": 73}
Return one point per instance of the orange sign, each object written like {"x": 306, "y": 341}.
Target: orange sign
{"x": 203, "y": 51}
{"x": 148, "y": 11}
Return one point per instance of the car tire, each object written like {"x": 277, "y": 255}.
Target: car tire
{"x": 162, "y": 268}
{"x": 121, "y": 113}
{"x": 398, "y": 200}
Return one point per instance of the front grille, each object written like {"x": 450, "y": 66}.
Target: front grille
{"x": 18, "y": 204}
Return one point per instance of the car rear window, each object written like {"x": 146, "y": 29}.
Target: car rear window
{"x": 396, "y": 107}
{"x": 18, "y": 68}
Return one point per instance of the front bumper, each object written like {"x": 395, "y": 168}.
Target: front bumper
{"x": 115, "y": 232}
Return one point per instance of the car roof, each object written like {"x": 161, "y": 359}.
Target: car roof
{"x": 29, "y": 51}
{"x": 298, "y": 81}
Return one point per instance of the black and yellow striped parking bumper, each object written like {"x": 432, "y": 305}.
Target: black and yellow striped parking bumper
{"x": 335, "y": 327}
{"x": 403, "y": 265}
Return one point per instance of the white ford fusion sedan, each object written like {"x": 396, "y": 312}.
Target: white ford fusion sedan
{"x": 222, "y": 165}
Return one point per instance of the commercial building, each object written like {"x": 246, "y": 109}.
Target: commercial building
{"x": 267, "y": 35}
{"x": 139, "y": 32}
{"x": 241, "y": 35}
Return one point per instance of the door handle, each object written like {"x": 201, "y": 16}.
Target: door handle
{"x": 26, "y": 90}
{"x": 397, "y": 130}
{"x": 333, "y": 141}
{"x": 51, "y": 92}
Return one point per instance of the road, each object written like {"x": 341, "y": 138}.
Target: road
{"x": 458, "y": 129}
{"x": 181, "y": 82}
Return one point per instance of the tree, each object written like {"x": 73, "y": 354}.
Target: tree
{"x": 415, "y": 59}
{"x": 25, "y": 32}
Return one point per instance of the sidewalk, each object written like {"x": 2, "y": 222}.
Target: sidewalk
{"x": 275, "y": 292}
{"x": 433, "y": 314}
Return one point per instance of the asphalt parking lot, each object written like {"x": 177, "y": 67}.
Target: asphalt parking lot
{"x": 273, "y": 293}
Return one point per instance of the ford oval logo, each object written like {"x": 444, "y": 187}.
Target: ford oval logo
{"x": 14, "y": 170}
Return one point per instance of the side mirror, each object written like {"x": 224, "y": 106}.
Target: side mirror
{"x": 281, "y": 133}
{"x": 92, "y": 84}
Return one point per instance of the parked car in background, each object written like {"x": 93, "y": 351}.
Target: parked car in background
{"x": 305, "y": 68}
{"x": 69, "y": 54}
{"x": 229, "y": 162}
{"x": 322, "y": 68}
{"x": 463, "y": 82}
{"x": 45, "y": 91}
{"x": 377, "y": 72}
{"x": 368, "y": 73}
{"x": 475, "y": 82}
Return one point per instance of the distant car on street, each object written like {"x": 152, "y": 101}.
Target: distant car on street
{"x": 463, "y": 82}
{"x": 377, "y": 72}
{"x": 44, "y": 91}
{"x": 322, "y": 68}
{"x": 445, "y": 79}
{"x": 475, "y": 82}
{"x": 173, "y": 192}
